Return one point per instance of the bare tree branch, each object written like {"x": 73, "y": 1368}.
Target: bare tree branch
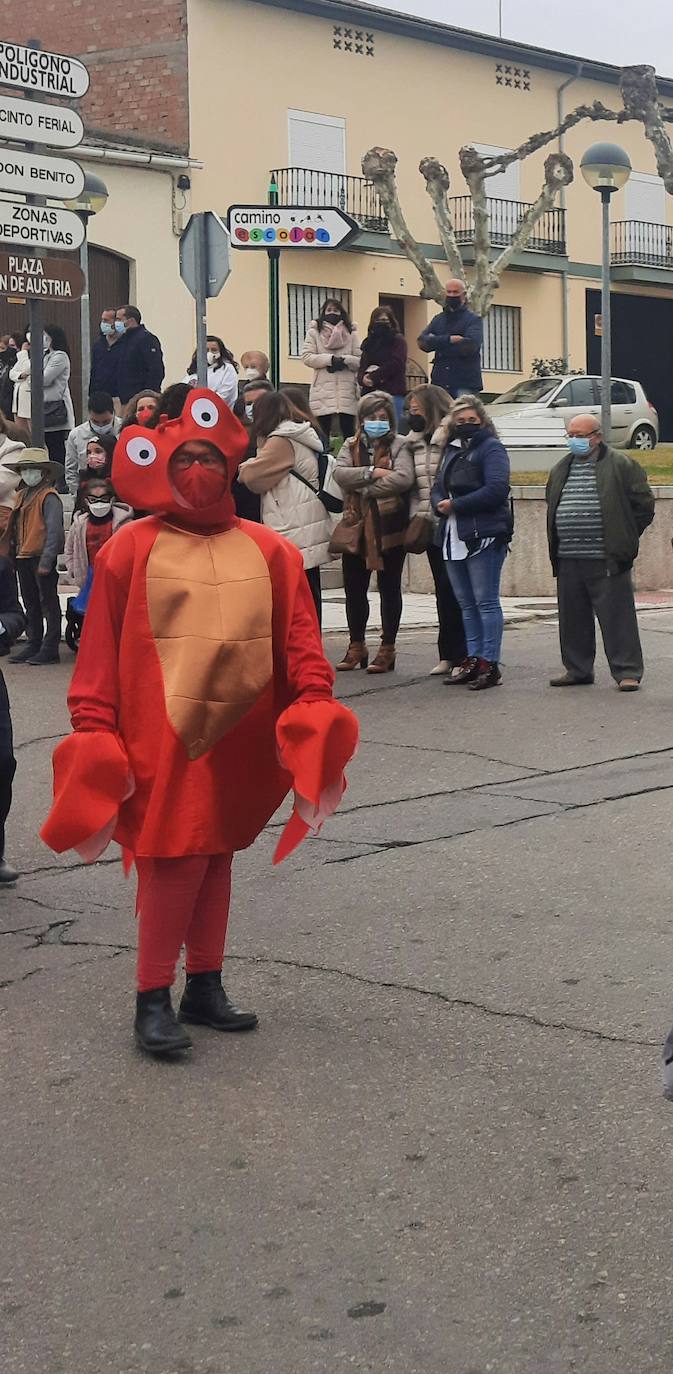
{"x": 490, "y": 166}
{"x": 378, "y": 166}
{"x": 471, "y": 167}
{"x": 641, "y": 101}
{"x": 558, "y": 171}
{"x": 437, "y": 183}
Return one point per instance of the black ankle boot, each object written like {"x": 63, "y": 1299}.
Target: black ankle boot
{"x": 156, "y": 1026}
{"x": 489, "y": 675}
{"x": 205, "y": 1002}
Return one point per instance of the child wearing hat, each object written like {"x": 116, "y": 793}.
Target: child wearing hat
{"x": 37, "y": 539}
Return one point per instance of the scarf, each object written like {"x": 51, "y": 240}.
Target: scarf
{"x": 377, "y": 348}
{"x": 384, "y": 518}
{"x": 333, "y": 336}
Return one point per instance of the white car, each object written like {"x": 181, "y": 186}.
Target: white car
{"x": 635, "y": 423}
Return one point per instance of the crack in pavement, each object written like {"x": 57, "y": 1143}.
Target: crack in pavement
{"x": 39, "y": 739}
{"x": 21, "y": 978}
{"x": 438, "y": 749}
{"x": 467, "y": 1003}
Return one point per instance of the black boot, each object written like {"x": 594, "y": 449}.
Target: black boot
{"x": 489, "y": 675}
{"x": 22, "y": 655}
{"x": 8, "y": 875}
{"x": 156, "y": 1025}
{"x": 205, "y": 1002}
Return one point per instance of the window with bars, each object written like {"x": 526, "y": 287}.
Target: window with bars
{"x": 304, "y": 304}
{"x": 502, "y": 339}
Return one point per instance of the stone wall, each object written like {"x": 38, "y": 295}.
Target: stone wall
{"x": 527, "y": 570}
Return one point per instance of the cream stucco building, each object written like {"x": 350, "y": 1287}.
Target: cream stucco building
{"x": 307, "y": 86}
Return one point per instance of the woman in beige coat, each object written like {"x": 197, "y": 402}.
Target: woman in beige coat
{"x": 429, "y": 408}
{"x": 375, "y": 471}
{"x": 284, "y": 472}
{"x": 332, "y": 351}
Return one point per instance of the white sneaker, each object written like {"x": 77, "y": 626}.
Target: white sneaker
{"x": 442, "y": 668}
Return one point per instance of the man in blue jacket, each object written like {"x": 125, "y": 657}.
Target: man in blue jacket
{"x": 140, "y": 362}
{"x": 456, "y": 338}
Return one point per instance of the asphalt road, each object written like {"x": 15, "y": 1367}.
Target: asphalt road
{"x": 445, "y": 1151}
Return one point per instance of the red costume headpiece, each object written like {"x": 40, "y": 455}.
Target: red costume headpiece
{"x": 140, "y": 469}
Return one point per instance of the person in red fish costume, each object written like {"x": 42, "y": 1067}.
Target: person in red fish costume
{"x": 200, "y": 697}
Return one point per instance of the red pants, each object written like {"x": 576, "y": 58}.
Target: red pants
{"x": 181, "y": 902}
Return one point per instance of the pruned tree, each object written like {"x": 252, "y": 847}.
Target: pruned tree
{"x": 640, "y": 97}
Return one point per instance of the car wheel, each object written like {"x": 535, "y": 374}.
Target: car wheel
{"x": 643, "y": 438}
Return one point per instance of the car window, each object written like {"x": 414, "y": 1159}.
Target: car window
{"x": 528, "y": 393}
{"x": 621, "y": 393}
{"x": 582, "y": 392}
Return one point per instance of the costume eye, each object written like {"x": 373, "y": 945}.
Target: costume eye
{"x": 204, "y": 413}
{"x": 141, "y": 451}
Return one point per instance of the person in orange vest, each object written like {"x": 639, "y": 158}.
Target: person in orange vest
{"x": 36, "y": 540}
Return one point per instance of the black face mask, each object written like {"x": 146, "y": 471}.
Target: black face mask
{"x": 452, "y": 304}
{"x": 417, "y": 423}
{"x": 467, "y": 431}
{"x": 380, "y": 325}
{"x": 332, "y": 318}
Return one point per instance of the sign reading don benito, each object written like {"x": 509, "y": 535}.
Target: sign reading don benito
{"x": 28, "y": 278}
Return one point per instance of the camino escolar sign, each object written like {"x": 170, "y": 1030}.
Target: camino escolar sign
{"x": 290, "y": 226}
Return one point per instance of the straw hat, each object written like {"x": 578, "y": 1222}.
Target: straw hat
{"x": 36, "y": 458}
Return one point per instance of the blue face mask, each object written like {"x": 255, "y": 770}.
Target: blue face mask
{"x": 120, "y": 327}
{"x": 375, "y": 429}
{"x": 579, "y": 446}
{"x": 106, "y": 327}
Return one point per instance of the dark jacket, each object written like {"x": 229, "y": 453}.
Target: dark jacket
{"x": 11, "y": 615}
{"x": 104, "y": 367}
{"x": 7, "y": 361}
{"x": 627, "y": 505}
{"x": 477, "y": 480}
{"x": 140, "y": 365}
{"x": 457, "y": 366}
{"x": 389, "y": 357}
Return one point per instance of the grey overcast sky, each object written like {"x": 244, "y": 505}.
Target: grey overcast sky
{"x": 618, "y": 31}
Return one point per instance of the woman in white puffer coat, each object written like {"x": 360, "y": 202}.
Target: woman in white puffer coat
{"x": 332, "y": 351}
{"x": 285, "y": 474}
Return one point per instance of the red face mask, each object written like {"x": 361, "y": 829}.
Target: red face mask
{"x": 199, "y": 486}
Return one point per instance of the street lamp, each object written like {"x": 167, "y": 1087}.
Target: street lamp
{"x": 92, "y": 200}
{"x": 606, "y": 168}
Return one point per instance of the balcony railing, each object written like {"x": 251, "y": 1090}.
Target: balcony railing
{"x": 548, "y": 236}
{"x": 354, "y": 195}
{"x": 636, "y": 243}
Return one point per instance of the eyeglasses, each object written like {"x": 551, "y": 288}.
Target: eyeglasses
{"x": 207, "y": 460}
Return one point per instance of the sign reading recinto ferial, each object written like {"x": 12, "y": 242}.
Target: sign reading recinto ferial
{"x": 34, "y": 70}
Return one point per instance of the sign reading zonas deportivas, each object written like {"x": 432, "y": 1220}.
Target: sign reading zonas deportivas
{"x": 34, "y": 70}
{"x": 39, "y": 226}
{"x": 28, "y": 278}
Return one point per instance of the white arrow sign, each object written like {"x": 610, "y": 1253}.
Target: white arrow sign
{"x": 39, "y": 226}
{"x": 28, "y": 121}
{"x": 55, "y": 177}
{"x": 34, "y": 70}
{"x": 289, "y": 226}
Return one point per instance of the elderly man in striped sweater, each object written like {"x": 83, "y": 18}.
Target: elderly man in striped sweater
{"x": 599, "y": 502}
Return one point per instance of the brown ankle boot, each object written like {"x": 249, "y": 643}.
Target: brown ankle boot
{"x": 384, "y": 661}
{"x": 356, "y": 656}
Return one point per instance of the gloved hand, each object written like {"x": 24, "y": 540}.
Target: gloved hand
{"x": 338, "y": 364}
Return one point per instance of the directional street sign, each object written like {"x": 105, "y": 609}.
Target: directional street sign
{"x": 39, "y": 226}
{"x": 27, "y": 278}
{"x": 217, "y": 254}
{"x": 290, "y": 226}
{"x": 55, "y": 177}
{"x": 29, "y": 121}
{"x": 34, "y": 70}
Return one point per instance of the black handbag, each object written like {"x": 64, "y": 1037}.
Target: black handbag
{"x": 56, "y": 415}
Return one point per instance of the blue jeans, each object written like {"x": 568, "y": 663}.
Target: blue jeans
{"x": 476, "y": 584}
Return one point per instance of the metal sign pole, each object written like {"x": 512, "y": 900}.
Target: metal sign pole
{"x": 201, "y": 265}
{"x": 606, "y": 327}
{"x": 36, "y": 325}
{"x": 274, "y": 300}
{"x": 85, "y": 318}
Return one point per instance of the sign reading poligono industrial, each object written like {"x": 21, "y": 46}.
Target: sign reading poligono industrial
{"x": 29, "y": 121}
{"x": 34, "y": 70}
{"x": 30, "y": 174}
{"x": 39, "y": 226}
